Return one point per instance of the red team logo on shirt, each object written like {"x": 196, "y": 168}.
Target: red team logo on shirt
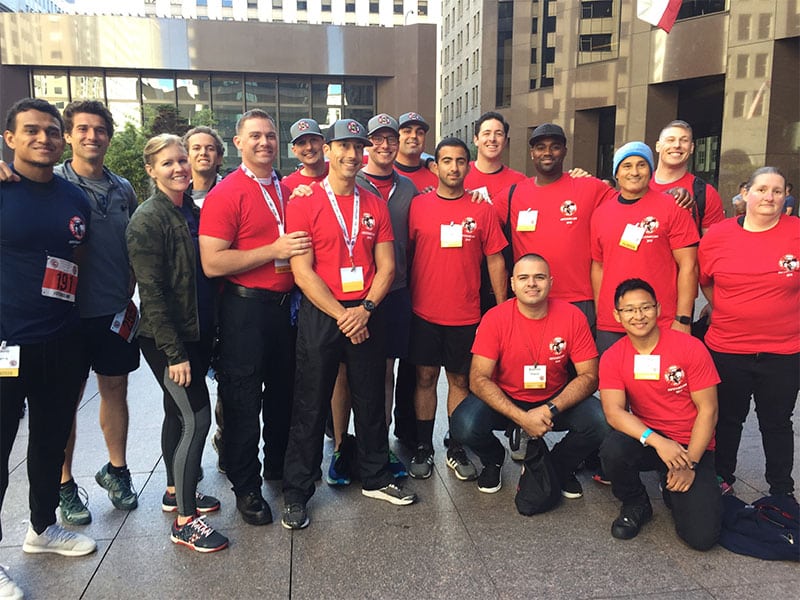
{"x": 674, "y": 375}
{"x": 77, "y": 227}
{"x": 368, "y": 221}
{"x": 569, "y": 208}
{"x": 789, "y": 263}
{"x": 650, "y": 224}
{"x": 558, "y": 346}
{"x": 469, "y": 225}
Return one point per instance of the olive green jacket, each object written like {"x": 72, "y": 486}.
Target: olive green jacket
{"x": 163, "y": 258}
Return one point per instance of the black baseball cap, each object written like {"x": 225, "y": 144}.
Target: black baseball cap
{"x": 547, "y": 130}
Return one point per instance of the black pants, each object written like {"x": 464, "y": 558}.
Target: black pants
{"x": 320, "y": 349}
{"x": 256, "y": 369}
{"x": 50, "y": 377}
{"x": 772, "y": 380}
{"x": 187, "y": 418}
{"x": 697, "y": 512}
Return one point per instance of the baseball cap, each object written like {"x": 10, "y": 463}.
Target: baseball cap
{"x": 347, "y": 129}
{"x": 547, "y": 130}
{"x": 412, "y": 118}
{"x": 382, "y": 121}
{"x": 633, "y": 149}
{"x": 304, "y": 127}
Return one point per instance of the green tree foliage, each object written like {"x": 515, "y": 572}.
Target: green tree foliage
{"x": 124, "y": 157}
{"x": 164, "y": 118}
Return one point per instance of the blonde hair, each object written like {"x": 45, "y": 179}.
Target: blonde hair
{"x": 157, "y": 143}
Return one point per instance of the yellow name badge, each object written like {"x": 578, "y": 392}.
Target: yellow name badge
{"x": 535, "y": 377}
{"x": 9, "y": 361}
{"x": 647, "y": 367}
{"x": 632, "y": 237}
{"x": 527, "y": 219}
{"x": 451, "y": 235}
{"x": 282, "y": 265}
{"x": 352, "y": 279}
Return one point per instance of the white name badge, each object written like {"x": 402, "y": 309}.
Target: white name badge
{"x": 9, "y": 361}
{"x": 484, "y": 192}
{"x": 60, "y": 279}
{"x": 126, "y": 322}
{"x": 647, "y": 367}
{"x": 451, "y": 235}
{"x": 282, "y": 265}
{"x": 535, "y": 377}
{"x": 632, "y": 237}
{"x": 352, "y": 279}
{"x": 527, "y": 219}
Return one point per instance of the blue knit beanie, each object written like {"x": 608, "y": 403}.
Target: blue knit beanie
{"x": 634, "y": 149}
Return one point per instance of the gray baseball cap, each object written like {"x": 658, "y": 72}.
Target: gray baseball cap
{"x": 412, "y": 118}
{"x": 382, "y": 121}
{"x": 347, "y": 129}
{"x": 304, "y": 127}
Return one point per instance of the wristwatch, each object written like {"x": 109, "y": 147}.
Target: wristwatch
{"x": 683, "y": 319}
{"x": 553, "y": 408}
{"x": 368, "y": 305}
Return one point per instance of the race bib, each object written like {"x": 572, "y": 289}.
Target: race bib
{"x": 352, "y": 279}
{"x": 631, "y": 237}
{"x": 282, "y": 265}
{"x": 647, "y": 367}
{"x": 60, "y": 279}
{"x": 9, "y": 361}
{"x": 126, "y": 322}
{"x": 535, "y": 377}
{"x": 527, "y": 219}
{"x": 451, "y": 235}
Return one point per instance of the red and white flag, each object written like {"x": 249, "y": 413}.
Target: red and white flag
{"x": 661, "y": 13}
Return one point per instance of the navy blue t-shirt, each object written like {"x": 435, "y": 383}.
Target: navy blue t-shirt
{"x": 37, "y": 220}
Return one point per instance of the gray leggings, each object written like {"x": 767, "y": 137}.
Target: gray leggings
{"x": 187, "y": 418}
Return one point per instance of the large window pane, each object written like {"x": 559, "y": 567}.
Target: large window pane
{"x": 158, "y": 100}
{"x": 194, "y": 100}
{"x": 295, "y": 103}
{"x": 87, "y": 86}
{"x": 122, "y": 92}
{"x": 261, "y": 93}
{"x": 227, "y": 100}
{"x": 326, "y": 102}
{"x": 51, "y": 86}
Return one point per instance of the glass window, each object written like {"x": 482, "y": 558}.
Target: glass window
{"x": 194, "y": 100}
{"x": 87, "y": 86}
{"x": 597, "y": 9}
{"x": 505, "y": 18}
{"x": 52, "y": 86}
{"x": 122, "y": 92}
{"x": 595, "y": 43}
{"x": 157, "y": 94}
{"x": 326, "y": 102}
{"x": 261, "y": 93}
{"x": 294, "y": 95}
{"x": 227, "y": 100}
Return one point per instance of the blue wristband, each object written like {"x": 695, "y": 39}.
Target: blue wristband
{"x": 645, "y": 435}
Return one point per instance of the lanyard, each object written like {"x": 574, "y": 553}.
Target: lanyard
{"x": 268, "y": 199}
{"x": 350, "y": 241}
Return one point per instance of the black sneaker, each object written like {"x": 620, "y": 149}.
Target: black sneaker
{"x": 461, "y": 465}
{"x": 198, "y": 535}
{"x": 630, "y": 520}
{"x": 570, "y": 486}
{"x": 421, "y": 465}
{"x": 490, "y": 480}
{"x": 295, "y": 516}
{"x": 392, "y": 493}
{"x": 254, "y": 509}
{"x": 203, "y": 503}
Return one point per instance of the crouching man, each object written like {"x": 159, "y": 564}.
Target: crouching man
{"x": 658, "y": 387}
{"x": 519, "y": 373}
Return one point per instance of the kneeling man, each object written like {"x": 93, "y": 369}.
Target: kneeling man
{"x": 519, "y": 373}
{"x": 658, "y": 387}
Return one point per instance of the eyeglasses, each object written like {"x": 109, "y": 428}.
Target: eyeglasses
{"x": 389, "y": 139}
{"x": 644, "y": 309}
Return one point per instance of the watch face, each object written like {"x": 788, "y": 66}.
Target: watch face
{"x": 369, "y": 305}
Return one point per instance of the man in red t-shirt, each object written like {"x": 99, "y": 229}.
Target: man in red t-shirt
{"x": 243, "y": 240}
{"x": 519, "y": 374}
{"x": 642, "y": 233}
{"x": 409, "y": 162}
{"x": 307, "y": 142}
{"x": 344, "y": 279}
{"x": 448, "y": 236}
{"x": 674, "y": 148}
{"x": 659, "y": 393}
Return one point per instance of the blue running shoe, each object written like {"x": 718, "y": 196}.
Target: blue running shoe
{"x": 396, "y": 466}
{"x": 338, "y": 473}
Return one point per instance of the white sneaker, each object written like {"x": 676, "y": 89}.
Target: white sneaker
{"x": 8, "y": 589}
{"x": 57, "y": 540}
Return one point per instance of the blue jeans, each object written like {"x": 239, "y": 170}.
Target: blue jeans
{"x": 473, "y": 423}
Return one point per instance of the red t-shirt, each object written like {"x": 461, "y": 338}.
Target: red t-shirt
{"x": 666, "y": 404}
{"x": 667, "y": 228}
{"x": 714, "y": 212}
{"x": 292, "y": 180}
{"x": 314, "y": 214}
{"x": 235, "y": 210}
{"x": 445, "y": 282}
{"x": 421, "y": 176}
{"x": 564, "y": 215}
{"x": 756, "y": 279}
{"x": 513, "y": 341}
{"x": 492, "y": 183}
{"x": 382, "y": 184}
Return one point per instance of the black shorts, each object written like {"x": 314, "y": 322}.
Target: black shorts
{"x": 448, "y": 346}
{"x": 106, "y": 352}
{"x": 396, "y": 307}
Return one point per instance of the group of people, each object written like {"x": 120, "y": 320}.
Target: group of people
{"x": 302, "y": 292}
